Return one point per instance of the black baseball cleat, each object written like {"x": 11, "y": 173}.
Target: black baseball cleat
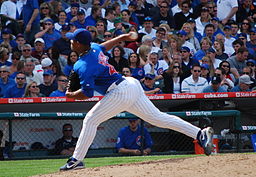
{"x": 205, "y": 140}
{"x": 72, "y": 164}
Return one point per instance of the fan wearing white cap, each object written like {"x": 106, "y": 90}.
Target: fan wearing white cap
{"x": 39, "y": 48}
{"x": 46, "y": 63}
{"x": 244, "y": 83}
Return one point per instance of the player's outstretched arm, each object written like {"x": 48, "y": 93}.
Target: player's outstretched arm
{"x": 76, "y": 95}
{"x": 131, "y": 36}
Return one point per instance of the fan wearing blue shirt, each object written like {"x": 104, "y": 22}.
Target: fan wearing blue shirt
{"x": 17, "y": 90}
{"x": 5, "y": 80}
{"x": 215, "y": 86}
{"x": 129, "y": 139}
{"x": 80, "y": 22}
{"x": 244, "y": 82}
{"x": 49, "y": 33}
{"x": 91, "y": 20}
{"x": 62, "y": 85}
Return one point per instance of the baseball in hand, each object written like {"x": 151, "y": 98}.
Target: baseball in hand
{"x": 133, "y": 35}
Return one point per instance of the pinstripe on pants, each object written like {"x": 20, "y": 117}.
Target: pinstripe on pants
{"x": 127, "y": 96}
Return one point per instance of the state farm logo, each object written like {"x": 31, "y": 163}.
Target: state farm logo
{"x": 238, "y": 94}
{"x": 174, "y": 96}
{"x": 43, "y": 100}
{"x": 16, "y": 114}
{"x": 59, "y": 114}
{"x": 188, "y": 113}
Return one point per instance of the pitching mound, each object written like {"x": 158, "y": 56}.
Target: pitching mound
{"x": 228, "y": 165}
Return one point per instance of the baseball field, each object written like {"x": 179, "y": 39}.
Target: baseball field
{"x": 224, "y": 165}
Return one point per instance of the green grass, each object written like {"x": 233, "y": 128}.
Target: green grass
{"x": 23, "y": 168}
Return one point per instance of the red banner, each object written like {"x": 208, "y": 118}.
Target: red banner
{"x": 180, "y": 96}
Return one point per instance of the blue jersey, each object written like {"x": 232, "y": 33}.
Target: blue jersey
{"x": 138, "y": 73}
{"x": 4, "y": 86}
{"x": 14, "y": 92}
{"x": 57, "y": 93}
{"x": 28, "y": 10}
{"x": 7, "y": 63}
{"x": 67, "y": 69}
{"x": 132, "y": 140}
{"x": 90, "y": 21}
{"x": 49, "y": 38}
{"x": 209, "y": 89}
{"x": 69, "y": 17}
{"x": 199, "y": 55}
{"x": 79, "y": 25}
{"x": 238, "y": 89}
{"x": 95, "y": 73}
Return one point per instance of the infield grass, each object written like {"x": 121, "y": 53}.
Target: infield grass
{"x": 24, "y": 168}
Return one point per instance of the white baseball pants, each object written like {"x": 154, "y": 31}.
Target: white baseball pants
{"x": 127, "y": 96}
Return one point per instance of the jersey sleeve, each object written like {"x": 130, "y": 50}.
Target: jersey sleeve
{"x": 4, "y": 9}
{"x": 87, "y": 84}
{"x": 86, "y": 77}
{"x": 147, "y": 68}
{"x": 233, "y": 4}
{"x": 102, "y": 48}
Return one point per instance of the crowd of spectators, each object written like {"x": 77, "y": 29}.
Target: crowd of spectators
{"x": 184, "y": 46}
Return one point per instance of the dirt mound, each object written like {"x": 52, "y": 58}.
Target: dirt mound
{"x": 228, "y": 165}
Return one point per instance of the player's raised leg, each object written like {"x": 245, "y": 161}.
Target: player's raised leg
{"x": 146, "y": 110}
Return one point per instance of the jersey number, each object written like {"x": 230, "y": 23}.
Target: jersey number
{"x": 103, "y": 60}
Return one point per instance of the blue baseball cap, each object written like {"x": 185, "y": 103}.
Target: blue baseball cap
{"x": 184, "y": 48}
{"x": 48, "y": 72}
{"x": 118, "y": 32}
{"x": 253, "y": 30}
{"x": 216, "y": 80}
{"x": 205, "y": 66}
{"x": 133, "y": 3}
{"x": 227, "y": 27}
{"x": 81, "y": 35}
{"x": 48, "y": 20}
{"x": 211, "y": 50}
{"x": 150, "y": 76}
{"x": 80, "y": 12}
{"x": 191, "y": 20}
{"x": 6, "y": 31}
{"x": 215, "y": 19}
{"x": 242, "y": 35}
{"x": 251, "y": 61}
{"x": 133, "y": 119}
{"x": 182, "y": 32}
{"x": 65, "y": 28}
{"x": 75, "y": 5}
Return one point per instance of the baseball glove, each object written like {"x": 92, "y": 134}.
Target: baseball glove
{"x": 73, "y": 82}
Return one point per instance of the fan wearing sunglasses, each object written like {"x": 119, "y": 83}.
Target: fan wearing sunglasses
{"x": 32, "y": 90}
{"x": 194, "y": 83}
{"x": 225, "y": 81}
{"x": 173, "y": 78}
{"x": 5, "y": 79}
{"x": 251, "y": 64}
{"x": 17, "y": 90}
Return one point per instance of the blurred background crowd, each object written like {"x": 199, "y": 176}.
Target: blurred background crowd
{"x": 184, "y": 46}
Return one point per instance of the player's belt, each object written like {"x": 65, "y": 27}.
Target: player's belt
{"x": 119, "y": 80}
